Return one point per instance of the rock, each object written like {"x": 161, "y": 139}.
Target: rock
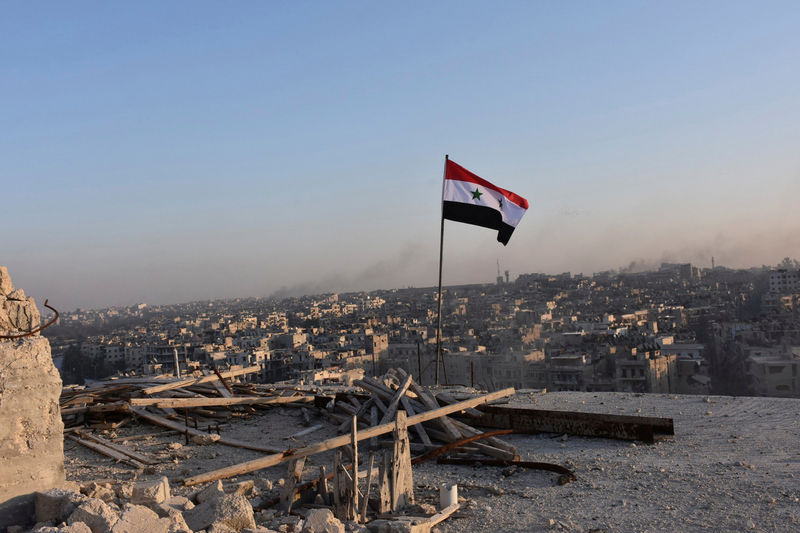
{"x": 175, "y": 445}
{"x": 151, "y": 492}
{"x": 103, "y": 492}
{"x": 182, "y": 503}
{"x": 211, "y": 492}
{"x": 208, "y": 438}
{"x": 509, "y": 471}
{"x": 322, "y": 521}
{"x": 6, "y": 287}
{"x": 96, "y": 514}
{"x": 220, "y": 528}
{"x": 18, "y": 314}
{"x": 257, "y": 529}
{"x": 56, "y": 504}
{"x": 139, "y": 519}
{"x": 289, "y": 523}
{"x": 232, "y": 510}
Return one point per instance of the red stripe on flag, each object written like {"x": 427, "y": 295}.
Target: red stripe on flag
{"x": 456, "y": 172}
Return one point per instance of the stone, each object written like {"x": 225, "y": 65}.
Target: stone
{"x": 181, "y": 503}
{"x": 217, "y": 527}
{"x": 96, "y": 514}
{"x": 6, "y": 287}
{"x": 151, "y": 492}
{"x": 55, "y": 505}
{"x": 322, "y": 521}
{"x": 138, "y": 519}
{"x": 101, "y": 491}
{"x": 231, "y": 510}
{"x": 206, "y": 438}
{"x": 19, "y": 314}
{"x": 124, "y": 491}
{"x": 214, "y": 490}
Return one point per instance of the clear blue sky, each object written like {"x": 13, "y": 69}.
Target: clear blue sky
{"x": 171, "y": 151}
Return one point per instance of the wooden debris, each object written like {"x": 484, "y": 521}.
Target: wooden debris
{"x": 105, "y": 450}
{"x": 402, "y": 481}
{"x": 293, "y": 477}
{"x": 196, "y": 381}
{"x": 384, "y": 483}
{"x": 337, "y": 442}
{"x": 217, "y": 402}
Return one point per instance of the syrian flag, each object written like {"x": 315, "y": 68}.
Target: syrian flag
{"x": 473, "y": 200}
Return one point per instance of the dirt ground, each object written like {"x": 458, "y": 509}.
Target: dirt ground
{"x": 734, "y": 465}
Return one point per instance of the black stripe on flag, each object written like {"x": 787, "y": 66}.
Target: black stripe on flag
{"x": 478, "y": 215}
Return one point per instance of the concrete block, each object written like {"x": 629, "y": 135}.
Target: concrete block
{"x": 31, "y": 431}
{"x": 96, "y": 514}
{"x": 211, "y": 492}
{"x": 322, "y": 521}
{"x": 231, "y": 510}
{"x": 138, "y": 519}
{"x": 151, "y": 492}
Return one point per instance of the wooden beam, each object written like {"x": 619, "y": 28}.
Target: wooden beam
{"x": 196, "y": 381}
{"x": 292, "y": 478}
{"x": 217, "y": 402}
{"x": 342, "y": 440}
{"x": 392, "y": 407}
{"x": 354, "y": 444}
{"x": 402, "y": 480}
{"x": 117, "y": 447}
{"x": 105, "y": 450}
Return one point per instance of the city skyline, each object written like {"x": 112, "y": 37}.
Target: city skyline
{"x": 154, "y": 153}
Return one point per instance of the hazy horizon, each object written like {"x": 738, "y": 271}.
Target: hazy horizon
{"x": 174, "y": 152}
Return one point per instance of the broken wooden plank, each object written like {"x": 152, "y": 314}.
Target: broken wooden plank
{"x": 366, "y": 490}
{"x": 442, "y": 515}
{"x": 402, "y": 480}
{"x": 391, "y": 409}
{"x": 419, "y": 428}
{"x": 305, "y": 432}
{"x": 384, "y": 483}
{"x": 117, "y": 447}
{"x": 354, "y": 445}
{"x": 337, "y": 442}
{"x": 182, "y": 403}
{"x": 196, "y": 381}
{"x": 105, "y": 450}
{"x": 292, "y": 478}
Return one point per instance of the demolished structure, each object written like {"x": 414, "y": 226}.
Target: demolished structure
{"x": 31, "y": 442}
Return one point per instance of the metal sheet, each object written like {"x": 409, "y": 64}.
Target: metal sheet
{"x": 642, "y": 428}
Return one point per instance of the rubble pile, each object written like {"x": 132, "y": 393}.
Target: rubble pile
{"x": 194, "y": 407}
{"x": 398, "y": 390}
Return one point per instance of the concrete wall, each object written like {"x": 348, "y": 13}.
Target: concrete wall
{"x": 31, "y": 431}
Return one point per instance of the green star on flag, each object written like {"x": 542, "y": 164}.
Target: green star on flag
{"x": 476, "y": 195}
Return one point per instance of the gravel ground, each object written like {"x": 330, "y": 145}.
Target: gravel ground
{"x": 734, "y": 465}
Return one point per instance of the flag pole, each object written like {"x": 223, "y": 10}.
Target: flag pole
{"x": 441, "y": 250}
